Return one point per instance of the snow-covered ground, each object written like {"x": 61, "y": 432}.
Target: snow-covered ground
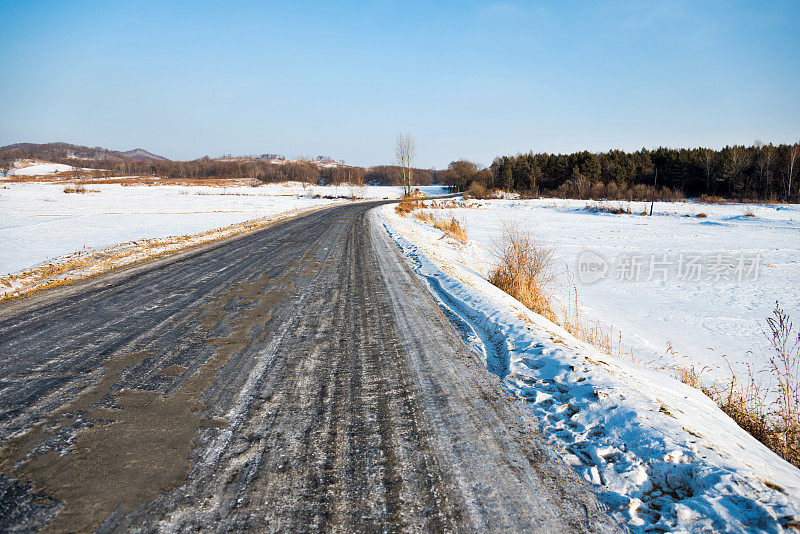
{"x": 699, "y": 317}
{"x": 39, "y": 222}
{"x": 40, "y": 169}
{"x": 663, "y": 456}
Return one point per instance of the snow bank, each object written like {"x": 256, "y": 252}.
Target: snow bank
{"x": 663, "y": 456}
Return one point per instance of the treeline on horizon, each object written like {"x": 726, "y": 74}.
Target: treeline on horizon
{"x": 761, "y": 172}
{"x": 208, "y": 168}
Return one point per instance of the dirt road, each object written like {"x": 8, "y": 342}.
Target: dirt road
{"x": 296, "y": 379}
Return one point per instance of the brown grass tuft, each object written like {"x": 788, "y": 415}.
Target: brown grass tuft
{"x": 711, "y": 199}
{"x": 594, "y": 333}
{"x": 409, "y": 203}
{"x": 452, "y": 227}
{"x": 745, "y": 398}
{"x": 76, "y": 189}
{"x": 524, "y": 271}
{"x": 701, "y": 215}
{"x": 615, "y": 210}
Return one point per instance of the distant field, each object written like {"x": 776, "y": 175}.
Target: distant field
{"x": 700, "y": 319}
{"x": 38, "y": 221}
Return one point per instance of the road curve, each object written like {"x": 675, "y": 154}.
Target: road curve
{"x": 299, "y": 378}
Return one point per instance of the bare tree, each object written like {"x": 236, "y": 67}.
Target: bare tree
{"x": 765, "y": 161}
{"x": 76, "y": 171}
{"x": 462, "y": 173}
{"x": 791, "y": 168}
{"x": 7, "y": 159}
{"x": 404, "y": 151}
{"x": 708, "y": 167}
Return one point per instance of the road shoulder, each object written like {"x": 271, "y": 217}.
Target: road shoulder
{"x": 508, "y": 478}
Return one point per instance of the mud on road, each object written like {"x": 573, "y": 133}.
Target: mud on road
{"x": 299, "y": 378}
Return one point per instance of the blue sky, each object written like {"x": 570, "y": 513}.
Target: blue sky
{"x": 468, "y": 79}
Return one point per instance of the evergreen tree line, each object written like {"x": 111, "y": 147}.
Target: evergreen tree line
{"x": 759, "y": 172}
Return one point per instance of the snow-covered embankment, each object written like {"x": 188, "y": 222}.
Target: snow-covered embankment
{"x": 662, "y": 454}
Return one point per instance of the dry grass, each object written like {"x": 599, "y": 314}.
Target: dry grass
{"x": 711, "y": 199}
{"x": 615, "y": 210}
{"x": 76, "y": 189}
{"x": 425, "y": 216}
{"x": 450, "y": 205}
{"x": 701, "y": 215}
{"x": 408, "y": 204}
{"x": 746, "y": 397}
{"x": 594, "y": 333}
{"x": 524, "y": 271}
{"x": 452, "y": 227}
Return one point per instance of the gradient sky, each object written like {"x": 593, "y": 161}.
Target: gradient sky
{"x": 468, "y": 79}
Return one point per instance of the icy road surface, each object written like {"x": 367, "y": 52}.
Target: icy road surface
{"x": 296, "y": 379}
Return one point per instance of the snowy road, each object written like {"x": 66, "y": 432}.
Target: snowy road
{"x": 299, "y": 378}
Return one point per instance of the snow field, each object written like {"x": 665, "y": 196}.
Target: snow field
{"x": 665, "y": 320}
{"x": 39, "y": 222}
{"x": 40, "y": 169}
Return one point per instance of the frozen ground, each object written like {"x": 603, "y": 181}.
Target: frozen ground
{"x": 699, "y": 317}
{"x": 663, "y": 456}
{"x": 39, "y": 222}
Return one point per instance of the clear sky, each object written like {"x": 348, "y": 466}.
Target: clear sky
{"x": 468, "y": 79}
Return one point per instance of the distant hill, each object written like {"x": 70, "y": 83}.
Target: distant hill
{"x": 143, "y": 155}
{"x": 64, "y": 151}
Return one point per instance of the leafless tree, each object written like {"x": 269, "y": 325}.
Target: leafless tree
{"x": 462, "y": 173}
{"x": 404, "y": 150}
{"x": 765, "y": 161}
{"x": 790, "y": 170}
{"x": 708, "y": 167}
{"x": 7, "y": 159}
{"x": 76, "y": 171}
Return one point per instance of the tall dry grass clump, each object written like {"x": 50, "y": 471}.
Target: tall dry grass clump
{"x": 593, "y": 333}
{"x": 524, "y": 271}
{"x": 784, "y": 362}
{"x": 615, "y": 210}
{"x": 408, "y": 203}
{"x": 711, "y": 199}
{"x": 767, "y": 403}
{"x": 452, "y": 227}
